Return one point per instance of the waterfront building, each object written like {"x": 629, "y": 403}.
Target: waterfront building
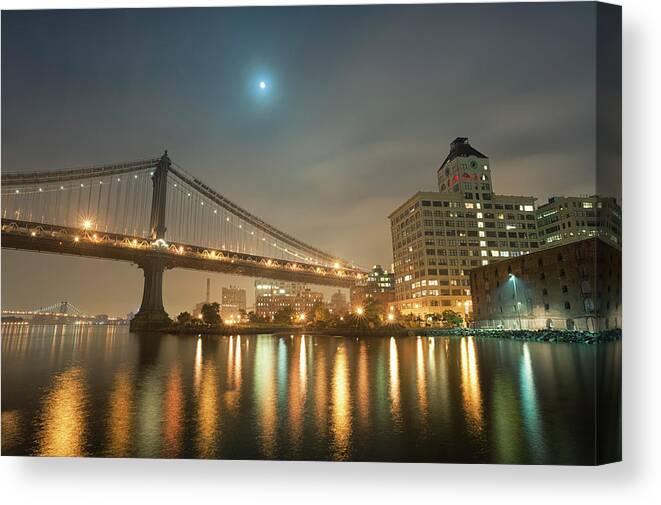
{"x": 575, "y": 285}
{"x": 567, "y": 219}
{"x": 233, "y": 302}
{"x": 379, "y": 286}
{"x": 437, "y": 237}
{"x": 272, "y": 296}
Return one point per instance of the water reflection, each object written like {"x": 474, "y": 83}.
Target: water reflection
{"x": 529, "y": 406}
{"x": 295, "y": 397}
{"x": 207, "y": 412}
{"x": 470, "y": 386}
{"x": 341, "y": 405}
{"x": 63, "y": 422}
{"x": 421, "y": 381}
{"x": 393, "y": 383}
{"x": 265, "y": 395}
{"x": 149, "y": 414}
{"x": 198, "y": 362}
{"x": 173, "y": 411}
{"x": 363, "y": 386}
{"x": 237, "y": 366}
{"x": 11, "y": 429}
{"x": 120, "y": 420}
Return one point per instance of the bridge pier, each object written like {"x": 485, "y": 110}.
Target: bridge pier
{"x": 152, "y": 315}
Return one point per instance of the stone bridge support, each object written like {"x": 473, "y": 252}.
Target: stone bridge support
{"x": 152, "y": 315}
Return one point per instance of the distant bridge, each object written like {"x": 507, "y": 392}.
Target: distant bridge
{"x": 122, "y": 212}
{"x": 61, "y": 312}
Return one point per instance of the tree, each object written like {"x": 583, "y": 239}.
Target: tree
{"x": 411, "y": 320}
{"x": 434, "y": 318}
{"x": 184, "y": 318}
{"x": 284, "y": 315}
{"x": 451, "y": 319}
{"x": 211, "y": 313}
{"x": 254, "y": 318}
{"x": 356, "y": 322}
{"x": 320, "y": 313}
{"x": 374, "y": 311}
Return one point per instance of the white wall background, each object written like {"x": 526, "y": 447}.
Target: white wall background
{"x": 636, "y": 480}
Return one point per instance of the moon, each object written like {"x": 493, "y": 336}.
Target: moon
{"x": 262, "y": 85}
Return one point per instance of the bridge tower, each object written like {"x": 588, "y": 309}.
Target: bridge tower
{"x": 152, "y": 315}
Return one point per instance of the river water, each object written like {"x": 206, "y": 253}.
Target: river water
{"x": 102, "y": 391}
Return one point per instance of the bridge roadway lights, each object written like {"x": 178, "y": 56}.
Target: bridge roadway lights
{"x": 152, "y": 315}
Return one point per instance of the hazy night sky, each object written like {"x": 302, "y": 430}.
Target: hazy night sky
{"x": 362, "y": 106}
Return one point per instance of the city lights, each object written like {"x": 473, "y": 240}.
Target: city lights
{"x": 391, "y": 317}
{"x": 360, "y": 311}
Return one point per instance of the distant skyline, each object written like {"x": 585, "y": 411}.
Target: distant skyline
{"x": 356, "y": 113}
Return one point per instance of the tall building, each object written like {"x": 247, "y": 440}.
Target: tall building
{"x": 233, "y": 301}
{"x": 338, "y": 303}
{"x": 380, "y": 280}
{"x": 379, "y": 285}
{"x": 272, "y": 296}
{"x": 567, "y": 219}
{"x": 437, "y": 237}
{"x": 568, "y": 286}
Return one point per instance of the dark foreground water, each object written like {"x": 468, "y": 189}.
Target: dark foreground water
{"x": 102, "y": 391}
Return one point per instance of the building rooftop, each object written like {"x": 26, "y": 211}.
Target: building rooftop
{"x": 460, "y": 148}
{"x": 541, "y": 252}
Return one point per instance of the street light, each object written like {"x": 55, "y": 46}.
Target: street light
{"x": 516, "y": 299}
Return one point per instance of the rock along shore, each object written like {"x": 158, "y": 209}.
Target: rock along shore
{"x": 578, "y": 337}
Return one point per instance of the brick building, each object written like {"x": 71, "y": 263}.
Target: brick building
{"x": 570, "y": 286}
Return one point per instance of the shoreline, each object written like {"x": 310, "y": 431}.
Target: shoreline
{"x": 562, "y": 336}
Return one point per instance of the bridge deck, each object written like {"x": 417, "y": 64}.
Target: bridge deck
{"x": 29, "y": 236}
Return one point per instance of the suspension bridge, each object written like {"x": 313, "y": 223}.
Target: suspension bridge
{"x": 60, "y": 312}
{"x": 156, "y": 215}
